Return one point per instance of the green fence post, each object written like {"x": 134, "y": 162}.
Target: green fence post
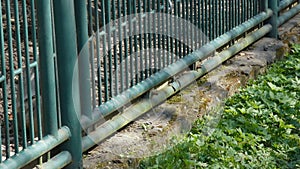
{"x": 83, "y": 59}
{"x": 273, "y": 5}
{"x": 47, "y": 67}
{"x": 81, "y": 23}
{"x": 65, "y": 33}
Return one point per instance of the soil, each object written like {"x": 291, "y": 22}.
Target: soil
{"x": 163, "y": 126}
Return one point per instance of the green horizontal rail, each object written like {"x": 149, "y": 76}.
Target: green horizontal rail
{"x": 145, "y": 105}
{"x": 58, "y": 161}
{"x": 285, "y": 3}
{"x": 288, "y": 15}
{"x": 119, "y": 101}
{"x": 34, "y": 151}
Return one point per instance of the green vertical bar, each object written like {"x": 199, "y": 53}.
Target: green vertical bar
{"x": 192, "y": 8}
{"x": 217, "y": 17}
{"x": 164, "y": 23}
{"x": 154, "y": 38}
{"x": 178, "y": 26}
{"x": 47, "y": 63}
{"x": 213, "y": 19}
{"x": 159, "y": 39}
{"x": 103, "y": 20}
{"x": 28, "y": 73}
{"x": 183, "y": 30}
{"x": 126, "y": 46}
{"x": 5, "y": 104}
{"x": 202, "y": 25}
{"x": 239, "y": 11}
{"x": 120, "y": 46}
{"x": 129, "y": 8}
{"x": 116, "y": 77}
{"x": 20, "y": 92}
{"x": 141, "y": 38}
{"x": 145, "y": 25}
{"x": 199, "y": 22}
{"x": 99, "y": 66}
{"x": 135, "y": 41}
{"x": 219, "y": 10}
{"x": 176, "y": 32}
{"x": 36, "y": 69}
{"x": 251, "y": 9}
{"x": 81, "y": 23}
{"x": 210, "y": 20}
{"x": 12, "y": 79}
{"x": 107, "y": 6}
{"x": 255, "y": 7}
{"x": 273, "y": 5}
{"x": 150, "y": 40}
{"x": 83, "y": 60}
{"x": 170, "y": 43}
{"x": 243, "y": 10}
{"x": 65, "y": 29}
{"x": 186, "y": 12}
{"x": 3, "y": 72}
{"x": 90, "y": 16}
{"x": 234, "y": 12}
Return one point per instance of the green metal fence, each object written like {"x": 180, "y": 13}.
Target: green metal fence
{"x": 66, "y": 65}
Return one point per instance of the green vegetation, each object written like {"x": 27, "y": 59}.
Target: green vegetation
{"x": 257, "y": 128}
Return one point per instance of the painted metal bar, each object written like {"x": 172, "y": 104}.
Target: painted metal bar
{"x": 99, "y": 66}
{"x": 153, "y": 57}
{"x": 81, "y": 23}
{"x": 3, "y": 82}
{"x": 20, "y": 92}
{"x": 210, "y": 21}
{"x": 120, "y": 46}
{"x": 83, "y": 59}
{"x": 165, "y": 43}
{"x": 127, "y": 73}
{"x": 108, "y": 24}
{"x": 68, "y": 79}
{"x": 28, "y": 74}
{"x": 171, "y": 27}
{"x": 287, "y": 15}
{"x": 105, "y": 65}
{"x": 273, "y": 5}
{"x": 36, "y": 68}
{"x": 142, "y": 38}
{"x": 34, "y": 151}
{"x": 135, "y": 77}
{"x": 48, "y": 83}
{"x": 58, "y": 161}
{"x": 150, "y": 39}
{"x": 115, "y": 55}
{"x": 4, "y": 92}
{"x": 12, "y": 78}
{"x": 180, "y": 48}
{"x": 145, "y": 40}
{"x": 145, "y": 105}
{"x": 157, "y": 79}
{"x": 159, "y": 36}
{"x": 131, "y": 50}
{"x": 199, "y": 18}
{"x": 90, "y": 17}
{"x": 255, "y": 7}
{"x": 285, "y": 3}
{"x": 183, "y": 29}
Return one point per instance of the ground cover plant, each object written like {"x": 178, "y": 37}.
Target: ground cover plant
{"x": 257, "y": 128}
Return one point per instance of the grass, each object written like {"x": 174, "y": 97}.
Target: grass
{"x": 257, "y": 128}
